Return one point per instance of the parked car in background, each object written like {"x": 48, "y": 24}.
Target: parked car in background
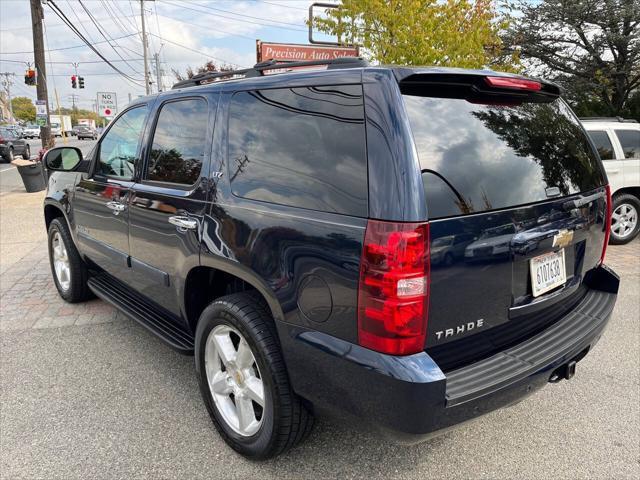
{"x": 280, "y": 228}
{"x": 31, "y": 131}
{"x": 448, "y": 249}
{"x": 11, "y": 144}
{"x": 84, "y": 132}
{"x": 618, "y": 143}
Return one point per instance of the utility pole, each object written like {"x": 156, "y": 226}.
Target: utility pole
{"x": 74, "y": 98}
{"x": 7, "y": 85}
{"x": 156, "y": 58}
{"x": 144, "y": 50}
{"x": 37, "y": 15}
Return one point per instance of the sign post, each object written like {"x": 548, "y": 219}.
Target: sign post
{"x": 41, "y": 113}
{"x": 107, "y": 104}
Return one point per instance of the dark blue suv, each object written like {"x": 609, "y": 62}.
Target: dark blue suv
{"x": 409, "y": 247}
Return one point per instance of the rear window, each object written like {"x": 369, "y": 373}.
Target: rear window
{"x": 301, "y": 147}
{"x": 477, "y": 157}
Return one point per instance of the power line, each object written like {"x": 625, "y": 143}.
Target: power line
{"x": 64, "y": 18}
{"x": 67, "y": 48}
{"x": 50, "y": 26}
{"x": 238, "y": 19}
{"x": 209, "y": 28}
{"x": 230, "y": 12}
{"x": 204, "y": 54}
{"x": 106, "y": 36}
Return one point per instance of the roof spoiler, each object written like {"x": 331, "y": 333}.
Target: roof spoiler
{"x": 484, "y": 86}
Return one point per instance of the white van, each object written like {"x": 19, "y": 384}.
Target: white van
{"x": 618, "y": 142}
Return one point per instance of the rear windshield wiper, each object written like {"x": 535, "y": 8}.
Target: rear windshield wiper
{"x": 580, "y": 201}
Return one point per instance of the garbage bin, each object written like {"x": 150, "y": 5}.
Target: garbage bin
{"x": 32, "y": 174}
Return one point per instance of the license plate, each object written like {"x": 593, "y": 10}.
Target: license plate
{"x": 547, "y": 272}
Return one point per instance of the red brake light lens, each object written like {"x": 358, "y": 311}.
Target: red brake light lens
{"x": 514, "y": 83}
{"x": 607, "y": 223}
{"x": 394, "y": 287}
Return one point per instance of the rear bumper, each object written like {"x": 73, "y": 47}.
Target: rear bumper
{"x": 410, "y": 398}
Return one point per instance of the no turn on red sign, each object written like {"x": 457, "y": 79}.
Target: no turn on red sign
{"x": 107, "y": 104}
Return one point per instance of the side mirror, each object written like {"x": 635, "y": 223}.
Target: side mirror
{"x": 63, "y": 159}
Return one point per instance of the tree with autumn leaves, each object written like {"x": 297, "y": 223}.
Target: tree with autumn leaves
{"x": 590, "y": 47}
{"x": 452, "y": 33}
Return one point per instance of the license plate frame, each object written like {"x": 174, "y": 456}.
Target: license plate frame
{"x": 546, "y": 274}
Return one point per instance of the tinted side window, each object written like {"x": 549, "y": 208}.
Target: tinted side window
{"x": 119, "y": 146}
{"x": 630, "y": 141}
{"x": 303, "y": 147}
{"x": 603, "y": 144}
{"x": 179, "y": 142}
{"x": 478, "y": 157}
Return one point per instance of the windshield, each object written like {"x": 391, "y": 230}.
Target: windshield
{"x": 478, "y": 157}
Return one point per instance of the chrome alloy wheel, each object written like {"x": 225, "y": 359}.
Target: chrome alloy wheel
{"x": 624, "y": 220}
{"x": 61, "y": 261}
{"x": 234, "y": 380}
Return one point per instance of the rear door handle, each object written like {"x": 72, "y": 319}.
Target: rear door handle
{"x": 116, "y": 207}
{"x": 184, "y": 223}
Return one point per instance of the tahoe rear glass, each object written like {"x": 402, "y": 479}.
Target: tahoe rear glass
{"x": 479, "y": 157}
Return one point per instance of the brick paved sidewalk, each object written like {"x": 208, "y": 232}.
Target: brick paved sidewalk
{"x": 29, "y": 299}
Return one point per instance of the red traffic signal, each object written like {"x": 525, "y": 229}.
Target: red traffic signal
{"x": 30, "y": 77}
{"x": 74, "y": 83}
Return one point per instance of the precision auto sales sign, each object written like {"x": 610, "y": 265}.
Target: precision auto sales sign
{"x": 301, "y": 53}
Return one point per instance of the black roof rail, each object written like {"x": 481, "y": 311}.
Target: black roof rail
{"x": 259, "y": 68}
{"x": 608, "y": 119}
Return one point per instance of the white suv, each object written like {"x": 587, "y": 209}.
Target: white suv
{"x": 618, "y": 142}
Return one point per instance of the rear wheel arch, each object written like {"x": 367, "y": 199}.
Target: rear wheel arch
{"x": 204, "y": 284}
{"x": 635, "y": 191}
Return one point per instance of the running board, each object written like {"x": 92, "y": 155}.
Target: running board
{"x": 142, "y": 311}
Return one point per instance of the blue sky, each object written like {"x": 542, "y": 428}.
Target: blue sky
{"x": 185, "y": 32}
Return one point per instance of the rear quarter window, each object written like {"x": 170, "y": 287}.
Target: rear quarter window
{"x": 603, "y": 144}
{"x": 301, "y": 147}
{"x": 477, "y": 157}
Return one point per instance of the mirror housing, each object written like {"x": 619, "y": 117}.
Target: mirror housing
{"x": 63, "y": 159}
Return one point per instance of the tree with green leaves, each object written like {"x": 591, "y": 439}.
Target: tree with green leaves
{"x": 590, "y": 47}
{"x": 452, "y": 33}
{"x": 23, "y": 109}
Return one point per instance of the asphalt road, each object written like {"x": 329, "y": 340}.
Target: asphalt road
{"x": 10, "y": 179}
{"x": 99, "y": 397}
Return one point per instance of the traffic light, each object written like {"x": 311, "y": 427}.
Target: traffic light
{"x": 80, "y": 82}
{"x": 30, "y": 77}
{"x": 73, "y": 82}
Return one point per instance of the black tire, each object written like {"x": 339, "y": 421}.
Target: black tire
{"x": 286, "y": 421}
{"x": 9, "y": 158}
{"x": 78, "y": 290}
{"x": 632, "y": 202}
{"x": 27, "y": 152}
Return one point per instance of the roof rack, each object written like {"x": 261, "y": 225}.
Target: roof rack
{"x": 608, "y": 119}
{"x": 259, "y": 68}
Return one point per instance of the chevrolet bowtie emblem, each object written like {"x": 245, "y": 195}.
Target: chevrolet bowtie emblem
{"x": 563, "y": 238}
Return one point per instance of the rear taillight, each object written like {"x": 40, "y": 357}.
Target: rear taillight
{"x": 514, "y": 83}
{"x": 394, "y": 287}
{"x": 607, "y": 224}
